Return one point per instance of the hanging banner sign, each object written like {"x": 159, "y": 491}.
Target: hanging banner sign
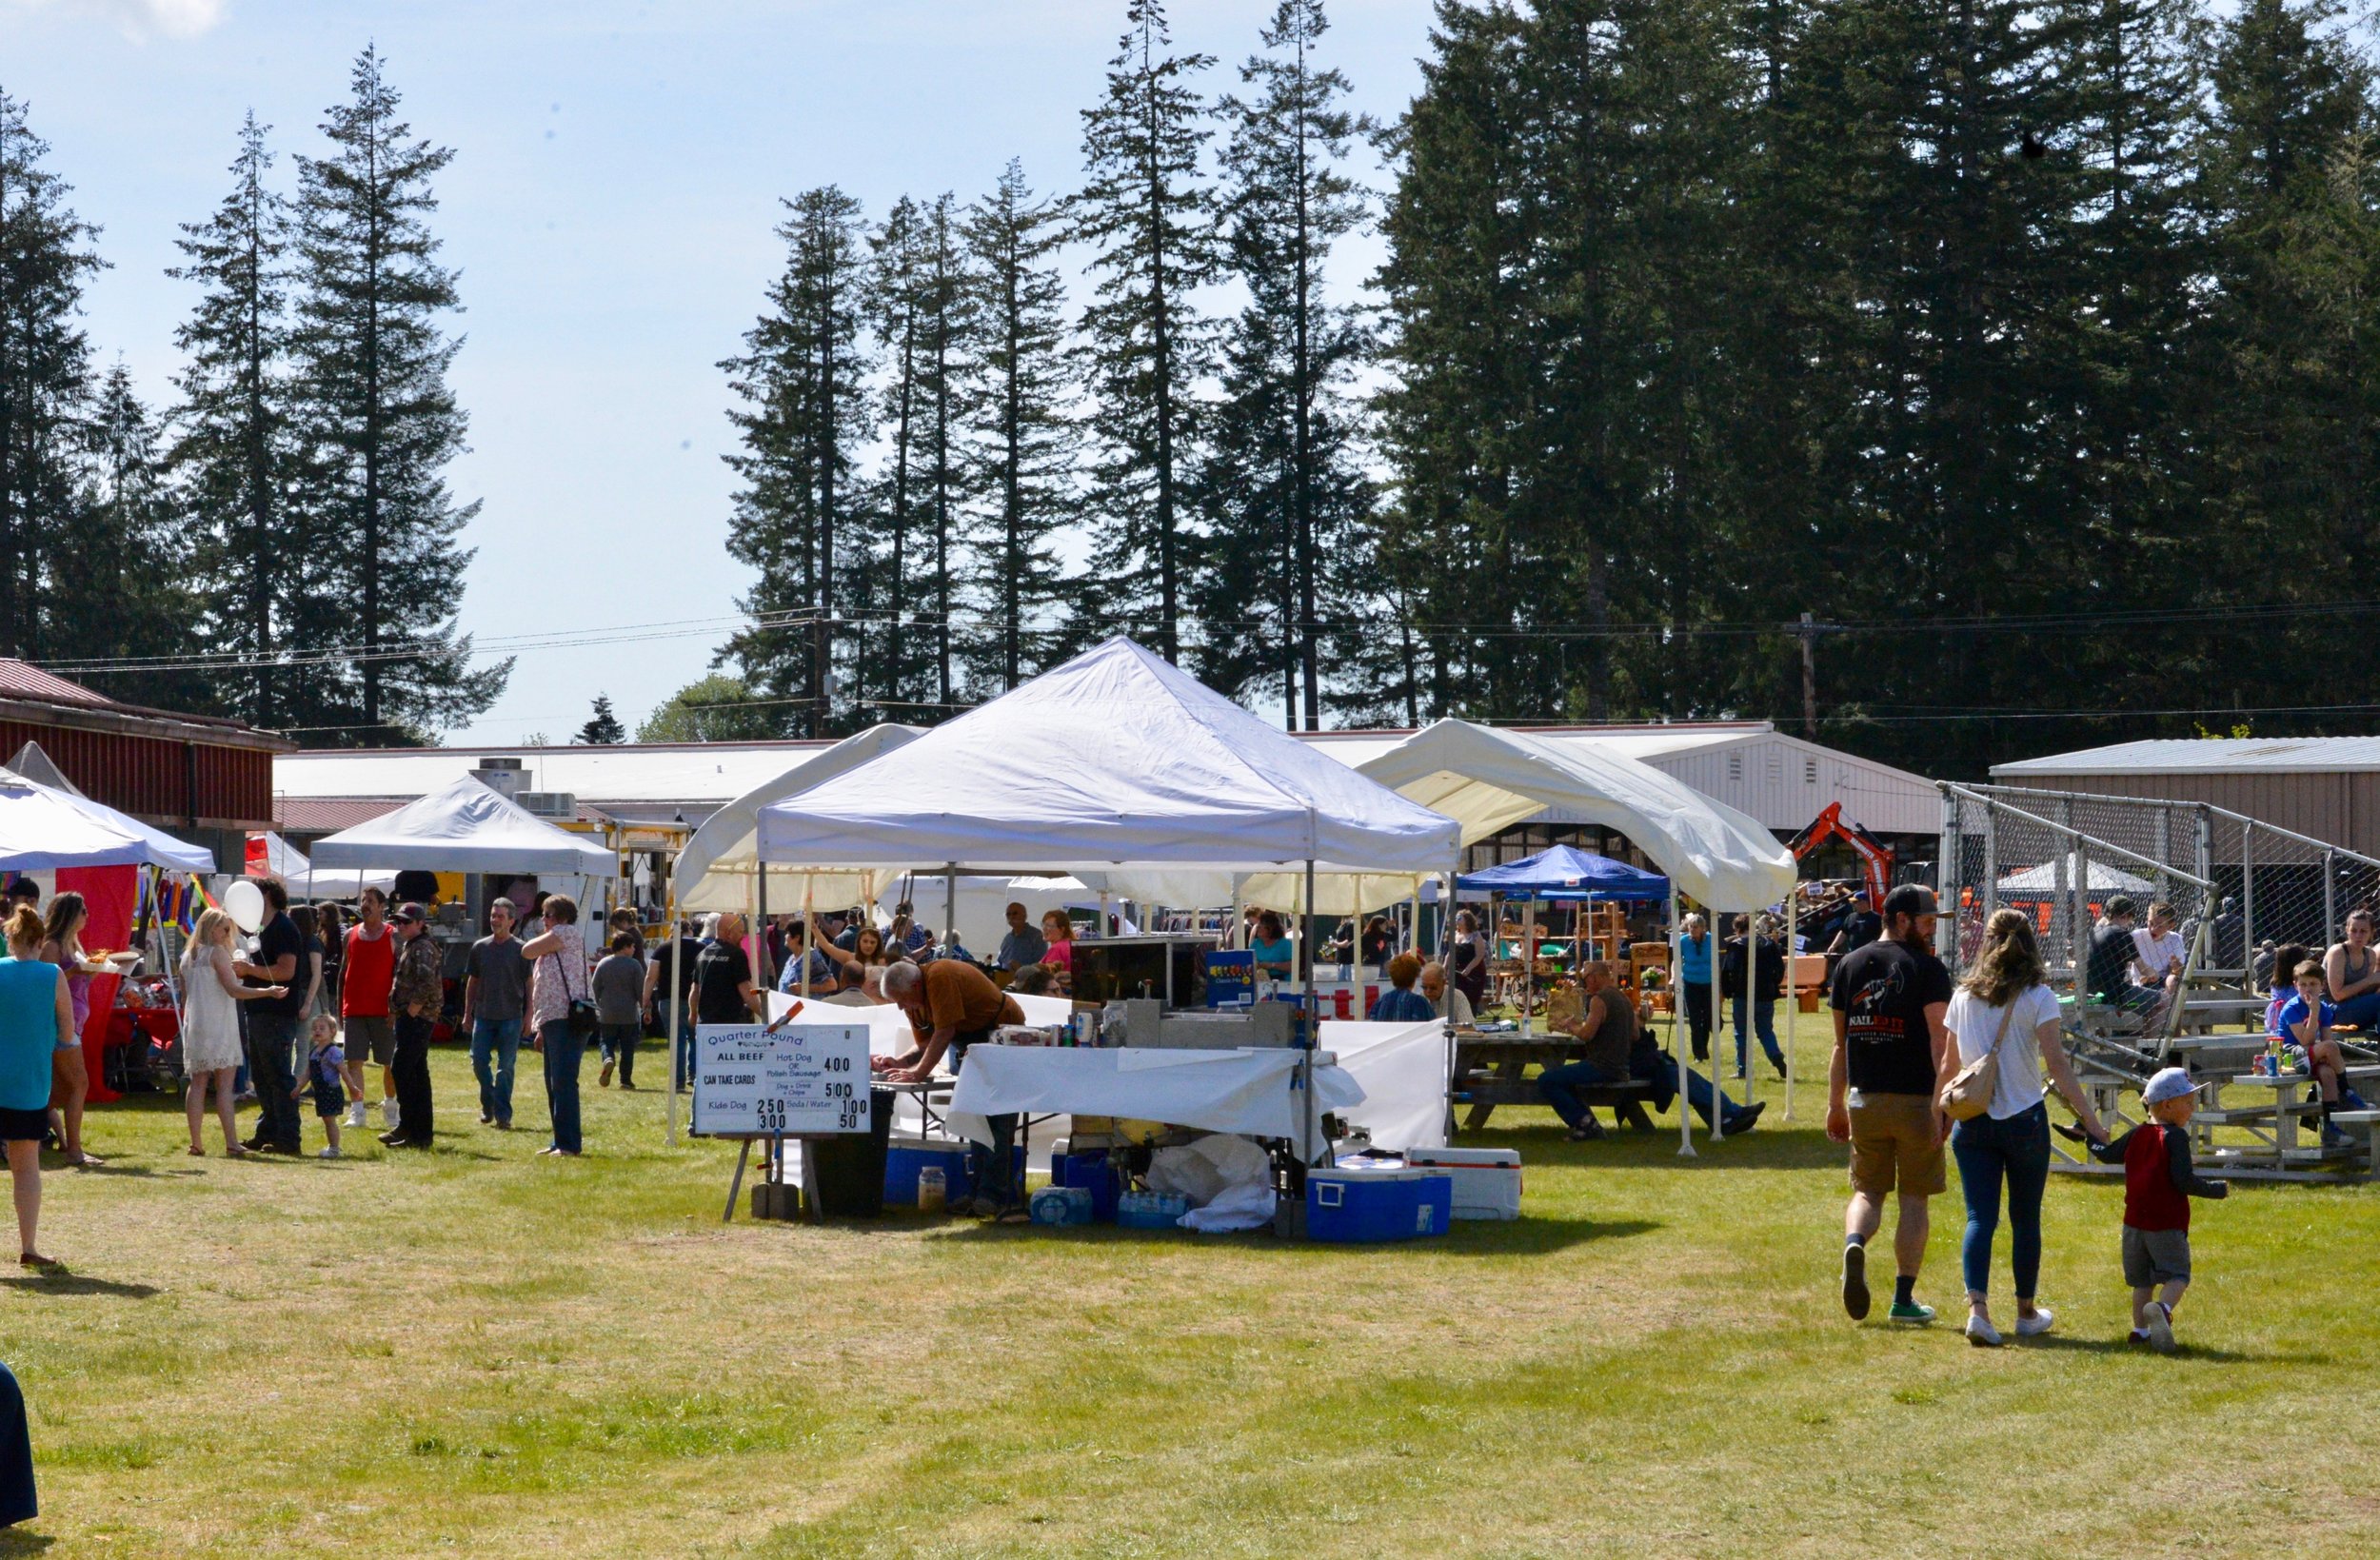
{"x": 798, "y": 1080}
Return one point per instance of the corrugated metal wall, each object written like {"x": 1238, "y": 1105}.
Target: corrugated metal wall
{"x": 2337, "y": 808}
{"x": 152, "y": 777}
{"x": 1785, "y": 785}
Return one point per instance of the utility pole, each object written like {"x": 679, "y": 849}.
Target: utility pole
{"x": 822, "y": 674}
{"x": 1809, "y": 679}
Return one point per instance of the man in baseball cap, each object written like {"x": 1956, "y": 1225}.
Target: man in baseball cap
{"x": 1892, "y": 1058}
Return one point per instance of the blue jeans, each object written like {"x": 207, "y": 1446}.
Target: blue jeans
{"x": 272, "y": 1063}
{"x": 993, "y": 1171}
{"x": 562, "y": 1051}
{"x": 1986, "y": 1150}
{"x": 1764, "y": 1024}
{"x": 619, "y": 1043}
{"x": 497, "y": 1041}
{"x": 1559, "y": 1086}
{"x": 2361, "y": 1011}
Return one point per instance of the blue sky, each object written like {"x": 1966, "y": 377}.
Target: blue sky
{"x": 617, "y": 176}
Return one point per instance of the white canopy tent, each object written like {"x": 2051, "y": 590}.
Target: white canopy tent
{"x": 1115, "y": 759}
{"x": 2093, "y": 877}
{"x": 466, "y": 827}
{"x": 718, "y": 868}
{"x": 45, "y": 829}
{"x": 287, "y": 862}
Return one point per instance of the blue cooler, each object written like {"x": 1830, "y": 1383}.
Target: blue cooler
{"x": 1355, "y": 1203}
{"x": 1091, "y": 1171}
{"x": 904, "y": 1161}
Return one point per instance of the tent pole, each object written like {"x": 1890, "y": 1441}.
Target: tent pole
{"x": 764, "y": 973}
{"x": 1719, "y": 1034}
{"x": 1678, "y": 1025}
{"x": 1528, "y": 963}
{"x": 1752, "y": 970}
{"x": 1792, "y": 1002}
{"x": 676, "y": 952}
{"x": 1314, "y": 1037}
{"x": 809, "y": 934}
{"x": 950, "y": 898}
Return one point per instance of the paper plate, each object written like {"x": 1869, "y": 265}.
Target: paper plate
{"x": 245, "y": 903}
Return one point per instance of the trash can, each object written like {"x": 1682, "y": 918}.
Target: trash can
{"x": 851, "y": 1168}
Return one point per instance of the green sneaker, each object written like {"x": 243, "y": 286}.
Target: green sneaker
{"x": 1910, "y": 1311}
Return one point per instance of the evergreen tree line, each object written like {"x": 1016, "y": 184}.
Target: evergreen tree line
{"x": 2020, "y": 347}
{"x": 279, "y": 543}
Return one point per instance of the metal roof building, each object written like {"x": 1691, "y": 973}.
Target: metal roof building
{"x": 2328, "y": 787}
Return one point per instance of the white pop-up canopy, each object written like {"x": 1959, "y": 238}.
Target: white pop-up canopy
{"x": 466, "y": 827}
{"x": 1114, "y": 758}
{"x": 41, "y": 828}
{"x": 1489, "y": 779}
{"x": 716, "y": 870}
{"x": 287, "y": 862}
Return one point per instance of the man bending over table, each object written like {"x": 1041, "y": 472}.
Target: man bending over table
{"x": 952, "y": 1006}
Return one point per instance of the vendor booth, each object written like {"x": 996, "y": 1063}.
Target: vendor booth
{"x": 269, "y": 856}
{"x": 114, "y": 860}
{"x": 1488, "y": 778}
{"x": 1116, "y": 762}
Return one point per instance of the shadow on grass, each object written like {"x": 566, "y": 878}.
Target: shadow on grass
{"x": 18, "y": 1541}
{"x": 75, "y": 1283}
{"x": 1524, "y": 1236}
{"x": 2057, "y": 1344}
{"x": 1763, "y": 1147}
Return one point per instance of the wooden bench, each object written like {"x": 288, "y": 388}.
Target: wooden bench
{"x": 1484, "y": 1091}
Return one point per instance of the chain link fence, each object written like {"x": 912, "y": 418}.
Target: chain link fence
{"x": 2253, "y": 887}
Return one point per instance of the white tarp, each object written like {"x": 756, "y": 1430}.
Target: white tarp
{"x": 1489, "y": 779}
{"x": 2044, "y": 879}
{"x": 466, "y": 827}
{"x": 982, "y": 903}
{"x": 1249, "y": 1091}
{"x": 41, "y": 828}
{"x": 1401, "y": 1070}
{"x": 715, "y": 870}
{"x": 287, "y": 862}
{"x": 1114, "y": 758}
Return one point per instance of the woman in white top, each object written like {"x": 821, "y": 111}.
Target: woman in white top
{"x": 2003, "y": 1001}
{"x": 211, "y": 1027}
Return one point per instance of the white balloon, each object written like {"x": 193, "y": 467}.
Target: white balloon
{"x": 245, "y": 903}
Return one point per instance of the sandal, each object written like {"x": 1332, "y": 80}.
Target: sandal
{"x": 197, "y": 1153}
{"x": 86, "y": 1161}
{"x": 237, "y": 1151}
{"x": 40, "y": 1263}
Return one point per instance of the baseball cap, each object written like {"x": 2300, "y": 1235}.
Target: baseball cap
{"x": 23, "y": 888}
{"x": 2170, "y": 1083}
{"x": 1909, "y": 899}
{"x": 410, "y": 911}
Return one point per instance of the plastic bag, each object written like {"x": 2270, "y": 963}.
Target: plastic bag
{"x": 1204, "y": 1169}
{"x": 1235, "y": 1207}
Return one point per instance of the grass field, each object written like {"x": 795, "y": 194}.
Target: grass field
{"x": 481, "y": 1352}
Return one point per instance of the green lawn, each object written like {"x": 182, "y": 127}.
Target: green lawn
{"x": 480, "y": 1352}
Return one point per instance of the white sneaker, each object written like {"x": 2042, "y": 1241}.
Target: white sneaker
{"x": 2036, "y": 1324}
{"x": 388, "y": 1114}
{"x": 2160, "y": 1326}
{"x": 1982, "y": 1333}
{"x": 331, "y": 1152}
{"x": 357, "y": 1114}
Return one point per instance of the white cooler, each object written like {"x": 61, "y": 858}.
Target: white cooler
{"x": 1487, "y": 1181}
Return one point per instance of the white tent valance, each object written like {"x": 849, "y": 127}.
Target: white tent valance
{"x": 1489, "y": 779}
{"x": 466, "y": 827}
{"x": 2093, "y": 877}
{"x": 715, "y": 870}
{"x": 43, "y": 829}
{"x": 1114, "y": 758}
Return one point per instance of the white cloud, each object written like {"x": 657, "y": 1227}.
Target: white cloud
{"x": 139, "y": 20}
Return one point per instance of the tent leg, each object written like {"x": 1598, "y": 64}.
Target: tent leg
{"x": 809, "y": 935}
{"x": 1314, "y": 1039}
{"x": 1679, "y": 1028}
{"x": 950, "y": 896}
{"x": 676, "y": 952}
{"x": 1792, "y": 1003}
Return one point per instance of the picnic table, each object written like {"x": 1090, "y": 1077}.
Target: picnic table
{"x": 1491, "y": 1069}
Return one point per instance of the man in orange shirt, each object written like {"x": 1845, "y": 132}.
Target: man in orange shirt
{"x": 953, "y": 1005}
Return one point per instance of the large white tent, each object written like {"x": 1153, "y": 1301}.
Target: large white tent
{"x": 2093, "y": 877}
{"x": 1114, "y": 758}
{"x": 287, "y": 862}
{"x": 41, "y": 829}
{"x": 466, "y": 827}
{"x": 717, "y": 869}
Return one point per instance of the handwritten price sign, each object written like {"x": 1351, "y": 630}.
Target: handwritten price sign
{"x": 800, "y": 1079}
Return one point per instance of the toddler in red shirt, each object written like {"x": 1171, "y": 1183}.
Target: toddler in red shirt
{"x": 2159, "y": 1180}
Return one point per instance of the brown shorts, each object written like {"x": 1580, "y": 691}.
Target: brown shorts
{"x": 370, "y": 1038}
{"x": 1892, "y": 1147}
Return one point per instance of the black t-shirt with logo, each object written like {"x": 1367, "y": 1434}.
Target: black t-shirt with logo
{"x": 1883, "y": 989}
{"x": 720, "y": 973}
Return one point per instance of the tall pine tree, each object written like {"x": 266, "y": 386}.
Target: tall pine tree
{"x": 117, "y": 576}
{"x": 233, "y": 455}
{"x": 1021, "y": 440}
{"x": 804, "y": 414}
{"x": 1145, "y": 212}
{"x": 378, "y": 554}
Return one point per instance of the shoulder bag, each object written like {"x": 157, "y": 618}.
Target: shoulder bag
{"x": 1969, "y": 1095}
{"x": 581, "y": 1016}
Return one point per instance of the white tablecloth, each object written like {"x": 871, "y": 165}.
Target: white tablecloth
{"x": 1249, "y": 1091}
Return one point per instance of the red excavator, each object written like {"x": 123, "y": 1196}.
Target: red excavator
{"x": 1875, "y": 856}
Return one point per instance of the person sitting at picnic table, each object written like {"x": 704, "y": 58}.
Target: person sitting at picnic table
{"x": 1033, "y": 980}
{"x": 2110, "y": 966}
{"x": 826, "y": 975}
{"x": 1446, "y": 1000}
{"x": 1618, "y": 1051}
{"x": 1276, "y": 955}
{"x": 1058, "y": 947}
{"x": 2353, "y": 975}
{"x": 1023, "y": 945}
{"x": 2306, "y": 1021}
{"x": 1401, "y": 1003}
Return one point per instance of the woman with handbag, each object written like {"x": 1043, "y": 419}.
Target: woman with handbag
{"x": 2004, "y": 1020}
{"x": 562, "y": 1011}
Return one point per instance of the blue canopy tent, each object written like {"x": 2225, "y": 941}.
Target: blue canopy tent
{"x": 1565, "y": 873}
